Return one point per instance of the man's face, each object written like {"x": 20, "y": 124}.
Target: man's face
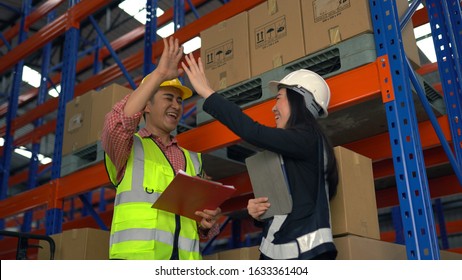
{"x": 164, "y": 110}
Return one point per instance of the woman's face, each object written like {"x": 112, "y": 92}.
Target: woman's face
{"x": 282, "y": 109}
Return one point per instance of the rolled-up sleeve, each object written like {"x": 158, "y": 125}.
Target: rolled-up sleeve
{"x": 209, "y": 233}
{"x": 117, "y": 135}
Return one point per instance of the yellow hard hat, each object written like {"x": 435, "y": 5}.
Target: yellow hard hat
{"x": 186, "y": 92}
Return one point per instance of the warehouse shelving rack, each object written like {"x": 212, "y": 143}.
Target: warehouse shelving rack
{"x": 387, "y": 78}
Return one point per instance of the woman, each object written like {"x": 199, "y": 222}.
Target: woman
{"x": 301, "y": 98}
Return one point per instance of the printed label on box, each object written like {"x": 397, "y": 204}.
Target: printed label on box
{"x": 270, "y": 33}
{"x": 75, "y": 122}
{"x": 218, "y": 55}
{"x": 324, "y": 10}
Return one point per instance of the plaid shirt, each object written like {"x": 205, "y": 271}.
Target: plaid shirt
{"x": 117, "y": 141}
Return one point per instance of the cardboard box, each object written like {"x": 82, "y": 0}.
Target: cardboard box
{"x": 103, "y": 101}
{"x": 225, "y": 52}
{"x": 77, "y": 244}
{"x": 447, "y": 255}
{"x": 276, "y": 34}
{"x": 326, "y": 23}
{"x": 354, "y": 208}
{"x": 77, "y": 123}
{"x": 351, "y": 247}
{"x": 85, "y": 116}
{"x": 245, "y": 253}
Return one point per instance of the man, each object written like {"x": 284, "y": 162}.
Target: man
{"x": 142, "y": 164}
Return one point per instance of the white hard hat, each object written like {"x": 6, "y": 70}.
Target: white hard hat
{"x": 305, "y": 82}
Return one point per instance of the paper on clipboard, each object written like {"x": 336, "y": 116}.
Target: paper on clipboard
{"x": 187, "y": 194}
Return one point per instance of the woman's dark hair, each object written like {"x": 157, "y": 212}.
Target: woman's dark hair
{"x": 301, "y": 116}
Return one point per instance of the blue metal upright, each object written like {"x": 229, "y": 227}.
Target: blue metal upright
{"x": 446, "y": 26}
{"x": 5, "y": 41}
{"x": 442, "y": 223}
{"x": 8, "y": 146}
{"x": 150, "y": 35}
{"x": 193, "y": 9}
{"x": 97, "y": 63}
{"x": 54, "y": 216}
{"x": 178, "y": 14}
{"x": 42, "y": 93}
{"x": 178, "y": 19}
{"x": 398, "y": 225}
{"x": 112, "y": 52}
{"x": 426, "y": 104}
{"x": 411, "y": 178}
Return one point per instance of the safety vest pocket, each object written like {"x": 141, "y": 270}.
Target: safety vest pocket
{"x": 163, "y": 175}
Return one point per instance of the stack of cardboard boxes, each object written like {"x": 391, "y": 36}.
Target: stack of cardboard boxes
{"x": 278, "y": 32}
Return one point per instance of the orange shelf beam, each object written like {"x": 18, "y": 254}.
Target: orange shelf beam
{"x": 95, "y": 177}
{"x": 420, "y": 17}
{"x": 428, "y": 138}
{"x": 432, "y": 156}
{"x": 427, "y": 68}
{"x": 47, "y": 107}
{"x": 24, "y": 201}
{"x": 53, "y": 192}
{"x": 34, "y": 136}
{"x": 439, "y": 187}
{"x": 452, "y": 227}
{"x": 40, "y": 213}
{"x": 23, "y": 176}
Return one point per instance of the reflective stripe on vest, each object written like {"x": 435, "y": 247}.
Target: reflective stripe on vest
{"x": 196, "y": 162}
{"x": 155, "y": 234}
{"x": 137, "y": 193}
{"x": 291, "y": 250}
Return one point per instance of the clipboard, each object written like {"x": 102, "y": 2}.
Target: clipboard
{"x": 187, "y": 194}
{"x": 268, "y": 178}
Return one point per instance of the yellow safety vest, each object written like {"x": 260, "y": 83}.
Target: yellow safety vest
{"x": 139, "y": 231}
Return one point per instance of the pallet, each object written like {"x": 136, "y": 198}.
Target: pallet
{"x": 334, "y": 60}
{"x": 82, "y": 158}
{"x": 331, "y": 61}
